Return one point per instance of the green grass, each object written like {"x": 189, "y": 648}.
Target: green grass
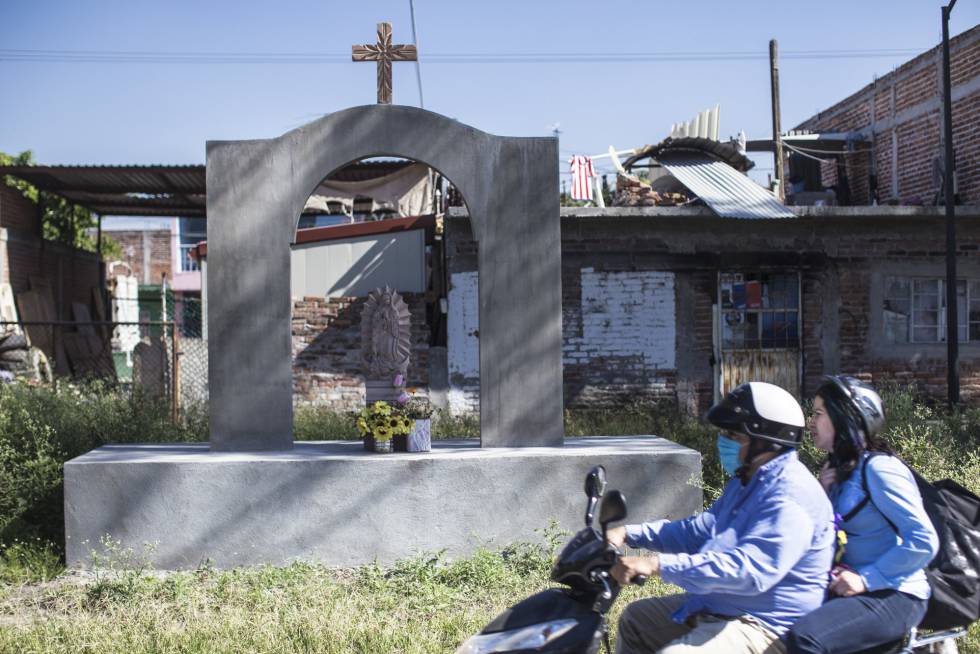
{"x": 426, "y": 604}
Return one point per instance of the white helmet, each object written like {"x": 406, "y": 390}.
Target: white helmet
{"x": 761, "y": 410}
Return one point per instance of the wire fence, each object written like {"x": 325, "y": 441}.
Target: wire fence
{"x": 151, "y": 356}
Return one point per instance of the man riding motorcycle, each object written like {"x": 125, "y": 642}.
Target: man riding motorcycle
{"x": 752, "y": 563}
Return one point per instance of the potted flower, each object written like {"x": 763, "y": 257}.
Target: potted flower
{"x": 420, "y": 411}
{"x": 379, "y": 423}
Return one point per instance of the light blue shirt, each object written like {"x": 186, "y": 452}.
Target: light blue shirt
{"x": 763, "y": 549}
{"x": 883, "y": 558}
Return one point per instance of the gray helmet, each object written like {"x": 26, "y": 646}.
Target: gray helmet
{"x": 760, "y": 410}
{"x": 857, "y": 400}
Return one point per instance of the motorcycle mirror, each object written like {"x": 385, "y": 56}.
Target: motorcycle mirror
{"x": 595, "y": 482}
{"x": 595, "y": 486}
{"x": 613, "y": 509}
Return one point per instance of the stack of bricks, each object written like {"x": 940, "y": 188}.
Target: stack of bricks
{"x": 327, "y": 367}
{"x": 631, "y": 191}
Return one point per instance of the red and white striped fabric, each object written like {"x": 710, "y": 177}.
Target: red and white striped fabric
{"x": 582, "y": 174}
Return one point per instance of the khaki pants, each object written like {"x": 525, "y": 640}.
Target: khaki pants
{"x": 645, "y": 627}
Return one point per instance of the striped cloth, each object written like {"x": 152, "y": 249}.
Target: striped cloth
{"x": 582, "y": 174}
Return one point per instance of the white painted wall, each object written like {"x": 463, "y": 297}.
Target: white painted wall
{"x": 626, "y": 314}
{"x": 462, "y": 343}
{"x": 357, "y": 266}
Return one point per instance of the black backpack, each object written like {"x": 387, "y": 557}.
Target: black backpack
{"x": 954, "y": 573}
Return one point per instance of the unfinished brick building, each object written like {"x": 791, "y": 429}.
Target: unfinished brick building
{"x": 892, "y": 130}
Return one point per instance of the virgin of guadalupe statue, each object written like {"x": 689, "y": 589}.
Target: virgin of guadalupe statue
{"x": 385, "y": 334}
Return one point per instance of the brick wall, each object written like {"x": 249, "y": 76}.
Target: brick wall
{"x": 70, "y": 273}
{"x": 147, "y": 253}
{"x": 620, "y": 267}
{"x": 619, "y": 341}
{"x": 327, "y": 369}
{"x": 901, "y": 115}
{"x": 17, "y": 213}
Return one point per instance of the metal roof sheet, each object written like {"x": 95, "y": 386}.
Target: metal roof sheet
{"x": 153, "y": 190}
{"x": 729, "y": 193}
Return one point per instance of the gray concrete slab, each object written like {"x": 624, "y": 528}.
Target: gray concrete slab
{"x": 335, "y": 503}
{"x": 256, "y": 191}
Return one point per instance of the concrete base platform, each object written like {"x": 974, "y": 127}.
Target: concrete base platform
{"x": 335, "y": 503}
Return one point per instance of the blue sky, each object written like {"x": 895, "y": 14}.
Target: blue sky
{"x": 115, "y": 113}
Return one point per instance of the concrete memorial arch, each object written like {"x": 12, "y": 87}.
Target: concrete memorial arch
{"x": 256, "y": 191}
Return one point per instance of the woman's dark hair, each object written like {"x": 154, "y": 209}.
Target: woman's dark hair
{"x": 850, "y": 439}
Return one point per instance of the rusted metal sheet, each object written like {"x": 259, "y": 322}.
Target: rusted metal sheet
{"x": 780, "y": 367}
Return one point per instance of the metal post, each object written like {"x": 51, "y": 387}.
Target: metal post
{"x": 103, "y": 287}
{"x": 949, "y": 200}
{"x": 777, "y": 133}
{"x": 174, "y": 374}
{"x": 418, "y": 57}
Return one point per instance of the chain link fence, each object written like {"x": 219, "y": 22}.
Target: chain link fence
{"x": 186, "y": 311}
{"x": 137, "y": 355}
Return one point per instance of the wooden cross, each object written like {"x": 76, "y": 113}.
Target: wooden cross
{"x": 384, "y": 53}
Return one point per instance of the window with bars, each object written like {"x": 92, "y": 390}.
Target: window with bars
{"x": 915, "y": 309}
{"x": 759, "y": 310}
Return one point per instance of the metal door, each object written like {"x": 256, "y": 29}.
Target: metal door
{"x": 758, "y": 329}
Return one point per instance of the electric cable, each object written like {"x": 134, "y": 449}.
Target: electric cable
{"x": 197, "y": 57}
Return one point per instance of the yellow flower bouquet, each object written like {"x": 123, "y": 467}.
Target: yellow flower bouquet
{"x": 379, "y": 423}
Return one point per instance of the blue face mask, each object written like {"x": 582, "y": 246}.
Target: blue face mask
{"x": 728, "y": 451}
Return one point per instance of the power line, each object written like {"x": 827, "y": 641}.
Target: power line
{"x": 191, "y": 57}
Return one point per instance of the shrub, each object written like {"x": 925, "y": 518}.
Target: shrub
{"x": 43, "y": 426}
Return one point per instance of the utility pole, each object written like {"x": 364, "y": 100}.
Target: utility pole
{"x": 777, "y": 132}
{"x": 949, "y": 200}
{"x": 418, "y": 61}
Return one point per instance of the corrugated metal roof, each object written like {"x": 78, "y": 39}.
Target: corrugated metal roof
{"x": 153, "y": 190}
{"x": 729, "y": 193}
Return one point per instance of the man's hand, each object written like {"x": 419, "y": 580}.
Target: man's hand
{"x": 616, "y": 536}
{"x": 630, "y": 566}
{"x": 846, "y": 583}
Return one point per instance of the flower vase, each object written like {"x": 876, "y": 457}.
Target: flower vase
{"x": 382, "y": 446}
{"x": 420, "y": 438}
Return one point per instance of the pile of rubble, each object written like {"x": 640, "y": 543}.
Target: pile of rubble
{"x": 631, "y": 191}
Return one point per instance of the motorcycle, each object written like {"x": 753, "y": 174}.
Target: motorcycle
{"x": 572, "y": 620}
{"x": 569, "y": 620}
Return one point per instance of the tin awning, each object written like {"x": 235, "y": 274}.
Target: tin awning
{"x": 728, "y": 192}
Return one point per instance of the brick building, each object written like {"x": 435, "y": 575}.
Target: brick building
{"x": 670, "y": 303}
{"x": 156, "y": 250}
{"x": 147, "y": 253}
{"x": 894, "y": 132}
